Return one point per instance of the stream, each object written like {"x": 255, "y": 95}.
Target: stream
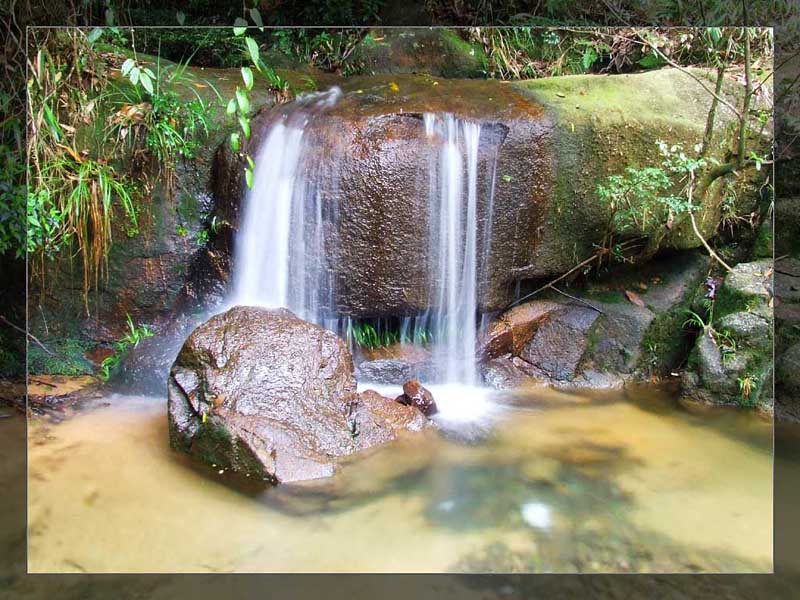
{"x": 534, "y": 481}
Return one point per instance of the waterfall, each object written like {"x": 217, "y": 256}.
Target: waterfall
{"x": 453, "y": 200}
{"x": 274, "y": 264}
{"x": 280, "y": 248}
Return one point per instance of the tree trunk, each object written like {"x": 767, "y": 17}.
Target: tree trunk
{"x": 748, "y": 92}
{"x": 712, "y": 112}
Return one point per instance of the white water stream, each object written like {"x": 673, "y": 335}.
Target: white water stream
{"x": 280, "y": 247}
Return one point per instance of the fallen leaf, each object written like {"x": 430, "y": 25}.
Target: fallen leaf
{"x": 634, "y": 298}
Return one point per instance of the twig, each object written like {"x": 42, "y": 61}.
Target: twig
{"x": 581, "y": 264}
{"x": 697, "y": 229}
{"x": 29, "y": 334}
{"x": 555, "y": 289}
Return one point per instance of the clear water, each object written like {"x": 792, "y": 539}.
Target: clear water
{"x": 539, "y": 481}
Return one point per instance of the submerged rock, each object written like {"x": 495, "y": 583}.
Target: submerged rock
{"x": 419, "y": 397}
{"x": 266, "y": 394}
{"x": 394, "y": 364}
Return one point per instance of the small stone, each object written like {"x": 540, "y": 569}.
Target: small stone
{"x": 416, "y": 395}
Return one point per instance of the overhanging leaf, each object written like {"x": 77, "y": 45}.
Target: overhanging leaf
{"x": 245, "y": 123}
{"x": 147, "y": 83}
{"x": 256, "y": 16}
{"x": 242, "y": 101}
{"x": 247, "y": 76}
{"x": 239, "y": 26}
{"x": 252, "y": 48}
{"x": 127, "y": 66}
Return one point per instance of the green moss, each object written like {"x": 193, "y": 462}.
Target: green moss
{"x": 667, "y": 342}
{"x": 762, "y": 246}
{"x": 603, "y": 126}
{"x": 606, "y": 296}
{"x": 68, "y": 358}
{"x": 213, "y": 444}
{"x": 730, "y": 300}
{"x": 464, "y": 58}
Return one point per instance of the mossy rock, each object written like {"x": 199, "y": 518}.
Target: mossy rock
{"x": 438, "y": 52}
{"x": 763, "y": 244}
{"x": 68, "y": 358}
{"x": 604, "y": 124}
{"x": 742, "y": 322}
{"x": 748, "y": 287}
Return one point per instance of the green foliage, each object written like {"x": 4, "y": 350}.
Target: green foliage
{"x": 67, "y": 358}
{"x": 326, "y": 50}
{"x": 13, "y": 236}
{"x": 134, "y": 335}
{"x": 72, "y": 193}
{"x": 635, "y": 198}
{"x": 644, "y": 198}
{"x": 151, "y": 116}
{"x": 531, "y": 52}
{"x": 366, "y": 335}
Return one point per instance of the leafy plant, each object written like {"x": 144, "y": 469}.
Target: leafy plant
{"x": 368, "y": 336}
{"x": 747, "y": 385}
{"x": 152, "y": 119}
{"x": 134, "y": 335}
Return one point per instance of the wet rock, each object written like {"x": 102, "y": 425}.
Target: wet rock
{"x": 743, "y": 326}
{"x": 380, "y": 419}
{"x": 506, "y": 372}
{"x": 264, "y": 393}
{"x": 371, "y": 158}
{"x": 386, "y": 370}
{"x": 419, "y": 397}
{"x": 614, "y": 343}
{"x": 393, "y": 364}
{"x": 558, "y": 345}
{"x": 512, "y": 330}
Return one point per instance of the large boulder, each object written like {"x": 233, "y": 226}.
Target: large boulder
{"x": 265, "y": 394}
{"x": 545, "y": 145}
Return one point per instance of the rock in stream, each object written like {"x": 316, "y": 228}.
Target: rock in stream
{"x": 265, "y": 394}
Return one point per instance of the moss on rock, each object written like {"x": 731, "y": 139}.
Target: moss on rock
{"x": 604, "y": 124}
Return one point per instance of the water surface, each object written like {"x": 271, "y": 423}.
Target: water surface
{"x": 543, "y": 482}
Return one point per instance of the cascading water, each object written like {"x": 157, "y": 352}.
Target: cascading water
{"x": 280, "y": 250}
{"x": 276, "y": 262}
{"x": 453, "y": 213}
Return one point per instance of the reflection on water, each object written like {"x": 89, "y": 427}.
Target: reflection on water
{"x": 557, "y": 483}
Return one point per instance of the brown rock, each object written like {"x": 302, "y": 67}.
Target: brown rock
{"x": 264, "y": 393}
{"x": 510, "y": 332}
{"x": 416, "y": 395}
{"x": 380, "y": 419}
